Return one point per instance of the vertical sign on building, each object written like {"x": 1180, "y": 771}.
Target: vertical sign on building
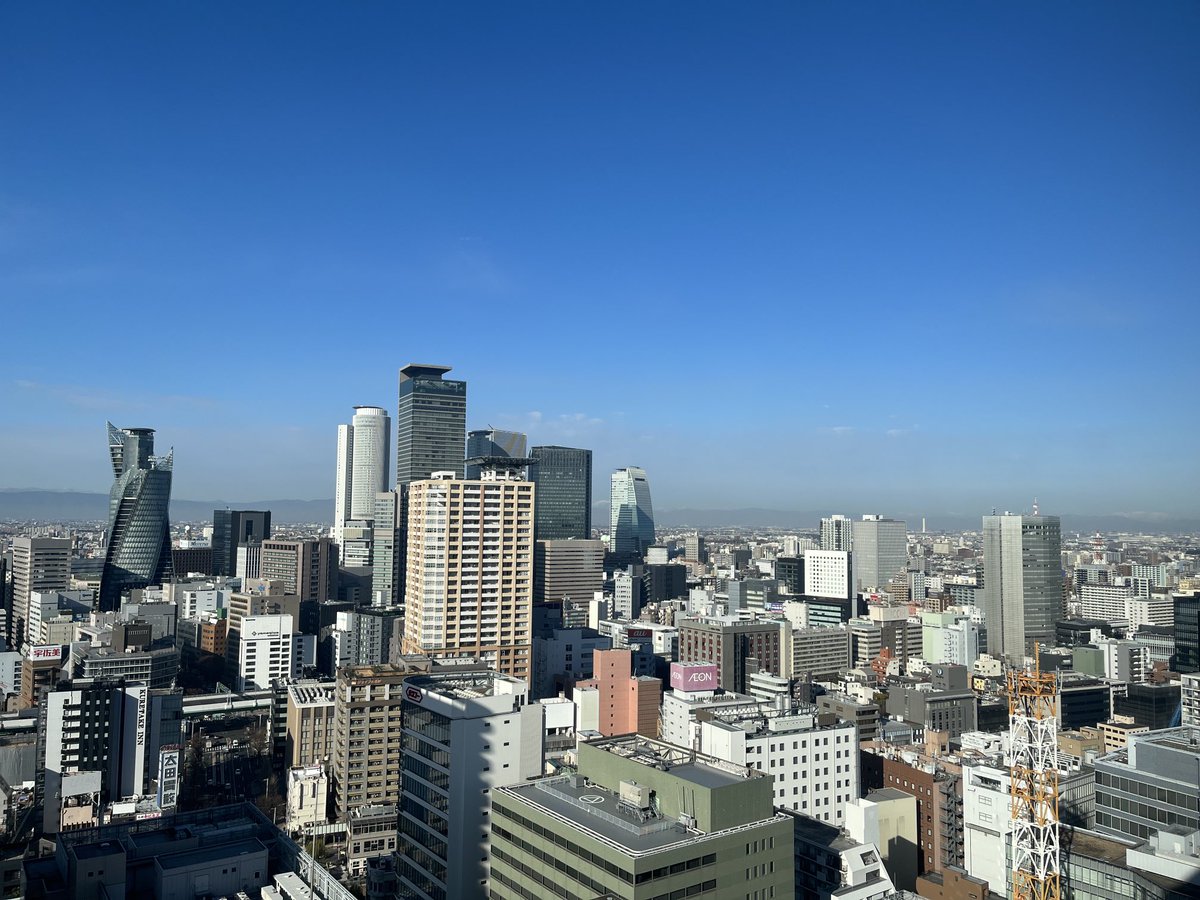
{"x": 168, "y": 776}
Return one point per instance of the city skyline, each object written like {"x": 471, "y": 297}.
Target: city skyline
{"x": 1010, "y": 227}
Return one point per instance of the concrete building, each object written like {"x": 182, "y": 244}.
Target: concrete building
{"x": 837, "y": 533}
{"x": 812, "y": 757}
{"x": 1151, "y": 785}
{"x": 372, "y": 832}
{"x": 1023, "y": 583}
{"x": 233, "y": 528}
{"x": 880, "y": 551}
{"x": 388, "y": 549}
{"x": 730, "y": 643}
{"x": 310, "y": 723}
{"x": 567, "y": 571}
{"x": 465, "y": 736}
{"x": 949, "y": 637}
{"x": 625, "y": 703}
{"x": 885, "y": 628}
{"x": 266, "y": 647}
{"x": 41, "y": 565}
{"x": 564, "y": 657}
{"x": 946, "y": 703}
{"x": 832, "y": 864}
{"x": 367, "y": 736}
{"x": 827, "y": 573}
{"x": 820, "y": 652}
{"x": 469, "y": 589}
{"x": 307, "y": 796}
{"x": 641, "y": 819}
{"x": 865, "y": 715}
{"x": 307, "y": 569}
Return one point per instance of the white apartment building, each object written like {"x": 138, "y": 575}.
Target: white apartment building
{"x": 1104, "y": 601}
{"x": 1155, "y": 609}
{"x": 470, "y": 569}
{"x": 307, "y": 793}
{"x": 464, "y": 734}
{"x": 678, "y": 723}
{"x": 813, "y": 759}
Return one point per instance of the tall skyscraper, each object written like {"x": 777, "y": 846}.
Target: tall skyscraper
{"x": 880, "y": 551}
{"x": 1187, "y": 632}
{"x": 40, "y": 565}
{"x": 469, "y": 588}
{"x": 632, "y": 528}
{"x": 139, "y": 535}
{"x": 363, "y": 458}
{"x": 836, "y": 534}
{"x": 387, "y": 562}
{"x": 563, "y": 476}
{"x": 494, "y": 443}
{"x": 431, "y": 424}
{"x": 1022, "y": 583}
{"x": 231, "y": 529}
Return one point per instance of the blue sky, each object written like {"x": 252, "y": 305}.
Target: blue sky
{"x": 932, "y": 256}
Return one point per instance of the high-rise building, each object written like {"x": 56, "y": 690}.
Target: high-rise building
{"x": 387, "y": 559}
{"x": 492, "y": 443}
{"x": 39, "y": 565}
{"x": 139, "y": 536}
{"x": 827, "y": 574}
{"x": 306, "y": 568}
{"x": 567, "y": 571}
{"x": 469, "y": 581}
{"x": 1187, "y": 632}
{"x": 563, "y": 476}
{"x": 431, "y": 424}
{"x": 693, "y": 549}
{"x": 1022, "y": 583}
{"x": 880, "y": 551}
{"x": 632, "y": 526}
{"x": 231, "y": 529}
{"x": 367, "y": 736}
{"x": 465, "y": 735}
{"x": 265, "y": 651}
{"x": 837, "y": 534}
{"x": 728, "y": 643}
{"x": 362, "y": 467}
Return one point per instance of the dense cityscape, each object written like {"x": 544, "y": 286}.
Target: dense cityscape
{"x": 465, "y": 684}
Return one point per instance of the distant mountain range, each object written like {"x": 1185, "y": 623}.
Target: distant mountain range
{"x": 78, "y": 506}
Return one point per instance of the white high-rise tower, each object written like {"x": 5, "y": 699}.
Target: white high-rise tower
{"x": 362, "y": 467}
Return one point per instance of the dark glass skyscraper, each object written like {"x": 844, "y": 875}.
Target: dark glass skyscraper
{"x": 492, "y": 442}
{"x": 231, "y": 529}
{"x": 563, "y": 476}
{"x": 431, "y": 424}
{"x": 139, "y": 536}
{"x": 1187, "y": 633}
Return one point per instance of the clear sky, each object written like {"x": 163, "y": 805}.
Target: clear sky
{"x": 937, "y": 256}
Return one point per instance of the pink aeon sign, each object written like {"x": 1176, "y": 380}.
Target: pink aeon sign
{"x": 693, "y": 676}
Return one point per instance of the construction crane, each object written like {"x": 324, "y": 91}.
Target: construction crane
{"x": 1033, "y": 697}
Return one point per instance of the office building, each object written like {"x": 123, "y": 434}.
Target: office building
{"x": 694, "y": 549}
{"x": 431, "y": 424}
{"x": 837, "y": 534}
{"x": 632, "y": 523}
{"x": 1151, "y": 785}
{"x": 187, "y": 561}
{"x": 833, "y": 864}
{"x": 827, "y": 573}
{"x": 1153, "y": 706}
{"x": 563, "y": 657}
{"x": 945, "y": 704}
{"x": 387, "y": 558}
{"x": 563, "y": 476}
{"x": 111, "y": 727}
{"x": 465, "y": 736}
{"x": 39, "y": 565}
{"x": 615, "y": 701}
{"x": 812, "y": 758}
{"x": 1187, "y": 632}
{"x": 641, "y": 819}
{"x": 363, "y": 458}
{"x": 139, "y": 535}
{"x": 567, "y": 571}
{"x": 1022, "y": 583}
{"x": 737, "y": 648}
{"x": 469, "y": 588}
{"x": 492, "y": 443}
{"x": 820, "y": 652}
{"x": 880, "y": 552}
{"x": 310, "y": 723}
{"x": 265, "y": 651}
{"x": 231, "y": 529}
{"x": 307, "y": 569}
{"x": 949, "y": 637}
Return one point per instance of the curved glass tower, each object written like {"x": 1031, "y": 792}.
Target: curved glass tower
{"x": 139, "y": 535}
{"x": 632, "y": 514}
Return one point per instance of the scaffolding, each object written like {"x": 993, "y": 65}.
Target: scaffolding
{"x": 1033, "y": 697}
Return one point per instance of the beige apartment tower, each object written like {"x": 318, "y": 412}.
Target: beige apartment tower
{"x": 39, "y": 564}
{"x": 469, "y": 587}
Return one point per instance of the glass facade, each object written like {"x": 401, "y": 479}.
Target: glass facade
{"x": 563, "y": 476}
{"x": 431, "y": 424}
{"x": 1187, "y": 633}
{"x": 632, "y": 529}
{"x": 494, "y": 443}
{"x": 231, "y": 529}
{"x": 139, "y": 536}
